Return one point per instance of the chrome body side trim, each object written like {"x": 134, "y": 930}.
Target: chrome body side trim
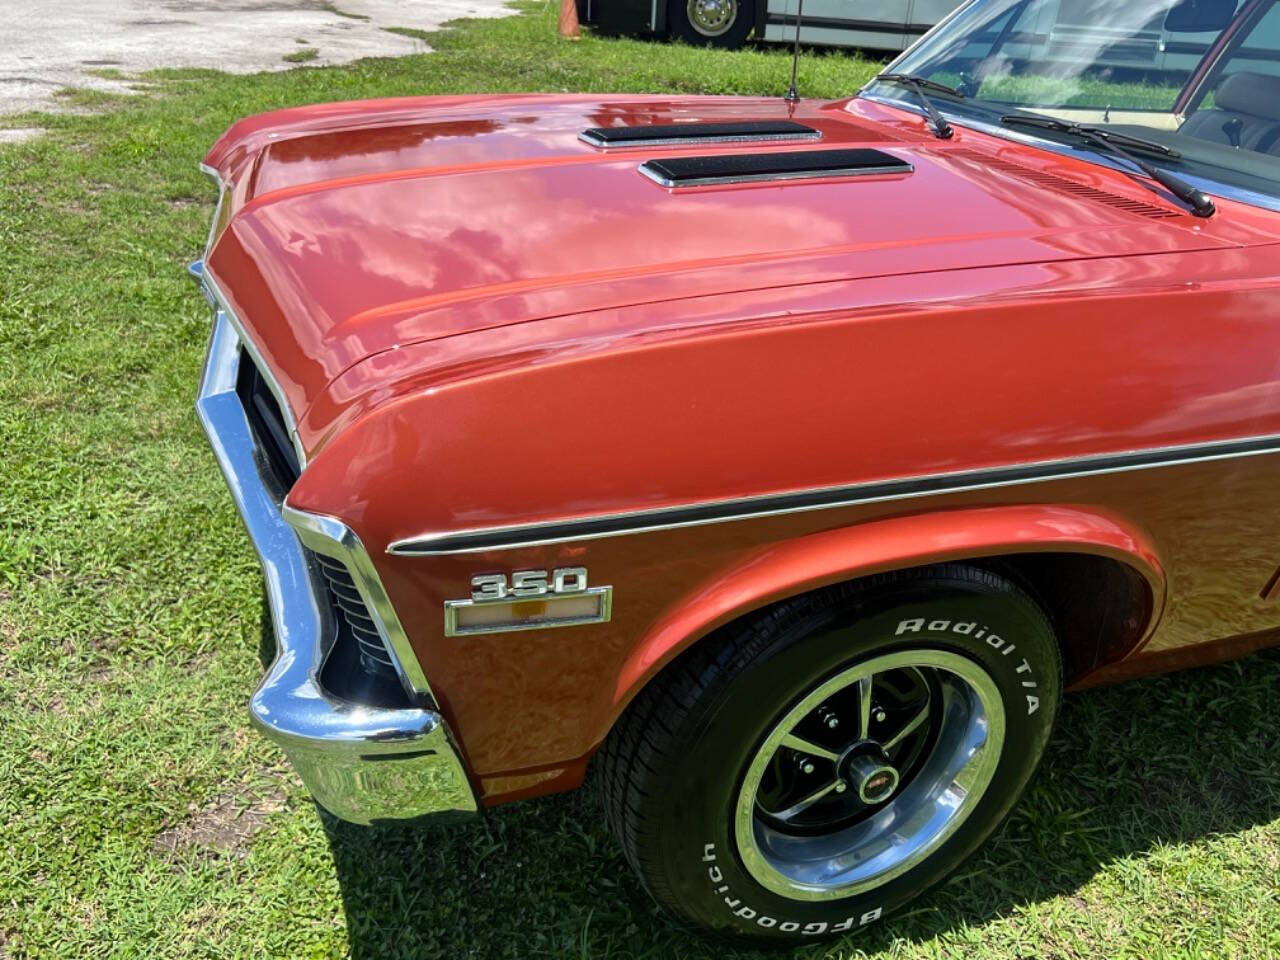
{"x": 660, "y": 180}
{"x": 515, "y": 536}
{"x": 364, "y": 764}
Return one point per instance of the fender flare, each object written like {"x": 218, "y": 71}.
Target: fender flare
{"x": 786, "y": 568}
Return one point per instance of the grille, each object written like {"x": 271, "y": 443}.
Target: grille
{"x": 266, "y": 421}
{"x": 352, "y": 611}
{"x": 272, "y": 436}
{"x": 1052, "y": 181}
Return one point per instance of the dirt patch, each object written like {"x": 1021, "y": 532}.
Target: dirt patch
{"x": 238, "y": 36}
{"x": 221, "y": 828}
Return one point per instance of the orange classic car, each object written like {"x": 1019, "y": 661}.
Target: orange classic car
{"x": 784, "y": 460}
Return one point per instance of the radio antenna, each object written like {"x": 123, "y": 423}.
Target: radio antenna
{"x": 793, "y": 95}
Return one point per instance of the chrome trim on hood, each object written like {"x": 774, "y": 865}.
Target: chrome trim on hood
{"x": 216, "y": 177}
{"x": 220, "y": 305}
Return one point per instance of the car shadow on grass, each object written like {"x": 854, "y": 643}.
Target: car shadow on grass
{"x": 1167, "y": 760}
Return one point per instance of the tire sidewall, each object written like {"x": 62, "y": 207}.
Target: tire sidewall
{"x": 1004, "y": 632}
{"x": 735, "y": 36}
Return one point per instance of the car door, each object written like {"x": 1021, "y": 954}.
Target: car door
{"x": 922, "y": 15}
{"x": 878, "y": 24}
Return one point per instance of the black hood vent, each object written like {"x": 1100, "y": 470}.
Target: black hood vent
{"x": 674, "y": 134}
{"x": 757, "y": 167}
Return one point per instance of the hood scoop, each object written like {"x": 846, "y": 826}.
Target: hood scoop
{"x": 675, "y": 134}
{"x": 677, "y": 172}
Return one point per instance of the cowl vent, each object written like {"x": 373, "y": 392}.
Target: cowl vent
{"x": 1051, "y": 181}
{"x": 675, "y": 134}
{"x": 756, "y": 167}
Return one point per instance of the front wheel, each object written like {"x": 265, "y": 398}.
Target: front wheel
{"x": 813, "y": 768}
{"x": 710, "y": 23}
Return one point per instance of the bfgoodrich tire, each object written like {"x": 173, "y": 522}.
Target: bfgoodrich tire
{"x": 711, "y": 23}
{"x": 809, "y": 770}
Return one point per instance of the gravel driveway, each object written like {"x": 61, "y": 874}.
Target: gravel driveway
{"x": 49, "y": 44}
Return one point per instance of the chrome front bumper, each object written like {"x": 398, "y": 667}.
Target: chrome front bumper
{"x": 362, "y": 763}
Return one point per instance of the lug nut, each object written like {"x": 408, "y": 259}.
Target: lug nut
{"x": 807, "y": 767}
{"x": 829, "y": 717}
{"x": 841, "y": 787}
{"x": 880, "y": 716}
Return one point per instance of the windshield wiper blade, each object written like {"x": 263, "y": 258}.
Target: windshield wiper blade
{"x": 1066, "y": 126}
{"x": 921, "y": 81}
{"x": 941, "y": 129}
{"x": 1200, "y": 204}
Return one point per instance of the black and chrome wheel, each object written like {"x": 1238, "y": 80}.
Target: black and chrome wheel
{"x": 812, "y": 768}
{"x": 716, "y": 23}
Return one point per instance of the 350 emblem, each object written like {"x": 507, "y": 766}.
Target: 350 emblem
{"x": 528, "y": 583}
{"x": 528, "y": 600}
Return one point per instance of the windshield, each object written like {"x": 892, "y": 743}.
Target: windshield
{"x": 1199, "y": 76}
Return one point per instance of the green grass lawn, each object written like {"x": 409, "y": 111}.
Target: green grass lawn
{"x": 140, "y": 816}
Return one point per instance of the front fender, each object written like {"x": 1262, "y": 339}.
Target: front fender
{"x": 796, "y": 566}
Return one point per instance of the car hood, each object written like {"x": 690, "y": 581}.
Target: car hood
{"x": 354, "y": 229}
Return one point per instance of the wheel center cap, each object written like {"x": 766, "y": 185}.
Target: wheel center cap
{"x": 874, "y": 780}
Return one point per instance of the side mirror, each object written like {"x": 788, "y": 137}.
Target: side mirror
{"x": 1199, "y": 16}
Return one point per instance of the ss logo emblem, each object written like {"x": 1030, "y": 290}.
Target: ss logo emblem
{"x": 528, "y": 583}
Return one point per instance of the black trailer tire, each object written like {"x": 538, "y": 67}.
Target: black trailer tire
{"x": 729, "y": 849}
{"x": 711, "y": 23}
